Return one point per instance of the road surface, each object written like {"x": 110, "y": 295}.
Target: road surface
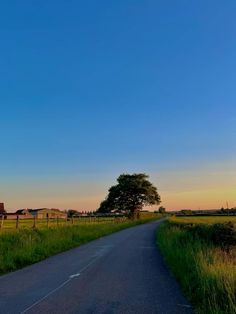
{"x": 120, "y": 273}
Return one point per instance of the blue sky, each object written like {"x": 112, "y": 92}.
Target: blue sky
{"x": 89, "y": 90}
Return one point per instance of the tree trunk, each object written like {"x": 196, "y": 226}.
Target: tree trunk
{"x": 134, "y": 214}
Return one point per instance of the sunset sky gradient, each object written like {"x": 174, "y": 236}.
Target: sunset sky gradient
{"x": 93, "y": 89}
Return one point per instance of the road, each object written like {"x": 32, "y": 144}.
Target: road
{"x": 120, "y": 273}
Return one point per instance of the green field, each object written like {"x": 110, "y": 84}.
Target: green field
{"x": 27, "y": 245}
{"x": 203, "y": 219}
{"x": 201, "y": 253}
{"x": 11, "y": 224}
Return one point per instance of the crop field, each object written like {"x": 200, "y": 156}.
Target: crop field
{"x": 201, "y": 252}
{"x": 27, "y": 244}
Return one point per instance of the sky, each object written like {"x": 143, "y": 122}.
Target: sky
{"x": 92, "y": 89}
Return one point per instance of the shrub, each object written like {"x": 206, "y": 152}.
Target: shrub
{"x": 224, "y": 234}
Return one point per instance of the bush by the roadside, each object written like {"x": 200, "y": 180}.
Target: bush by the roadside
{"x": 224, "y": 234}
{"x": 221, "y": 234}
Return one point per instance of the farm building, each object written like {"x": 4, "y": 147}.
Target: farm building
{"x": 21, "y": 213}
{"x": 42, "y": 213}
{"x": 24, "y": 213}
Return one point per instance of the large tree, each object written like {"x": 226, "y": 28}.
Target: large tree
{"x": 130, "y": 195}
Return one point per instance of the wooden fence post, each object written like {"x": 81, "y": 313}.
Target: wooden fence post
{"x": 47, "y": 217}
{"x": 17, "y": 222}
{"x": 57, "y": 221}
{"x": 2, "y": 219}
{"x": 34, "y": 225}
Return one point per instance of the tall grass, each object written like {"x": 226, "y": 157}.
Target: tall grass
{"x": 22, "y": 247}
{"x": 205, "y": 269}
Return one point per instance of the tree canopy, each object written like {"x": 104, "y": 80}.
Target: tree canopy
{"x": 161, "y": 210}
{"x": 130, "y": 195}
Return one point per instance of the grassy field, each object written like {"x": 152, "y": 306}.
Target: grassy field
{"x": 203, "y": 219}
{"x": 201, "y": 252}
{"x": 10, "y": 224}
{"x": 26, "y": 245}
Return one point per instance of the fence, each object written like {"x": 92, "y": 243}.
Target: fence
{"x": 19, "y": 222}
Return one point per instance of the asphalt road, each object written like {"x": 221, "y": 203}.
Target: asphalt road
{"x": 120, "y": 273}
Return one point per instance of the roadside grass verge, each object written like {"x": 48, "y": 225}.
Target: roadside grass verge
{"x": 202, "y": 256}
{"x": 22, "y": 247}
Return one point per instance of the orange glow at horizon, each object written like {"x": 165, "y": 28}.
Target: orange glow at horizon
{"x": 202, "y": 199}
{"x": 208, "y": 187}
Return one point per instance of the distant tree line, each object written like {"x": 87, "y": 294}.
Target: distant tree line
{"x": 228, "y": 210}
{"x": 222, "y": 211}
